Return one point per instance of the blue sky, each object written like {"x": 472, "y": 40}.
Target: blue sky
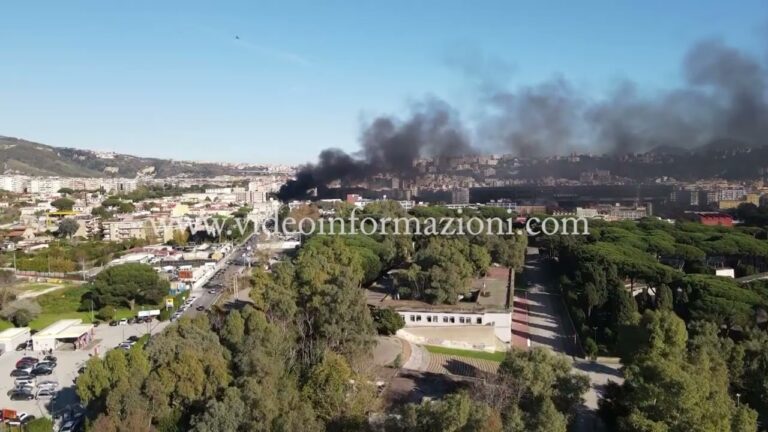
{"x": 170, "y": 79}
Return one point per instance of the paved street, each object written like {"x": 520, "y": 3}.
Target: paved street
{"x": 545, "y": 318}
{"x": 548, "y": 327}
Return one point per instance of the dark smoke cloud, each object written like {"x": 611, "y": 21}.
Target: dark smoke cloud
{"x": 723, "y": 100}
{"x": 389, "y": 146}
{"x": 534, "y": 121}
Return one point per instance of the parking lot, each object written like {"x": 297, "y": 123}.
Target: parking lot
{"x": 68, "y": 364}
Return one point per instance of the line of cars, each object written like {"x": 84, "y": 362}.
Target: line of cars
{"x": 132, "y": 320}
{"x": 184, "y": 306}
{"x": 26, "y": 384}
{"x": 128, "y": 343}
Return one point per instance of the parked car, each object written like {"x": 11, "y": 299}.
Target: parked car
{"x": 122, "y": 322}
{"x": 71, "y": 425}
{"x": 20, "y": 372}
{"x": 124, "y": 345}
{"x": 25, "y": 368}
{"x": 27, "y": 360}
{"x": 48, "y": 384}
{"x": 46, "y": 393}
{"x": 27, "y": 380}
{"x": 21, "y": 395}
{"x": 133, "y": 338}
{"x": 24, "y": 388}
{"x": 50, "y": 358}
{"x": 22, "y": 418}
{"x": 42, "y": 370}
{"x": 49, "y": 364}
{"x": 200, "y": 308}
{"x": 112, "y": 323}
{"x": 67, "y": 426}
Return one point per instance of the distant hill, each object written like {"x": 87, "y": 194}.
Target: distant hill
{"x": 18, "y": 156}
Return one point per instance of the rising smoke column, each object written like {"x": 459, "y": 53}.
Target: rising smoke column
{"x": 722, "y": 100}
{"x": 388, "y": 146}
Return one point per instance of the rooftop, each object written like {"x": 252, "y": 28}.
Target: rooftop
{"x": 489, "y": 293}
{"x": 13, "y": 332}
{"x": 58, "y": 327}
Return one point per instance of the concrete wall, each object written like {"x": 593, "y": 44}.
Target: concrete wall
{"x": 10, "y": 343}
{"x": 501, "y": 321}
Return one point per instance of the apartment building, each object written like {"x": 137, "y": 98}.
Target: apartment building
{"x": 136, "y": 229}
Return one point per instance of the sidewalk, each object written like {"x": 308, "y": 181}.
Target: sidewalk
{"x": 521, "y": 336}
{"x": 419, "y": 359}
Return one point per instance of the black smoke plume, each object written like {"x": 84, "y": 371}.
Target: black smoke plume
{"x": 722, "y": 101}
{"x": 389, "y": 146}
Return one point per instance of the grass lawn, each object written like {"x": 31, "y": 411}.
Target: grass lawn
{"x": 5, "y": 324}
{"x": 64, "y": 304}
{"x": 35, "y": 286}
{"x": 481, "y": 355}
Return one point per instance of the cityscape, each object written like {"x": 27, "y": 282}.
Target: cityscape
{"x": 210, "y": 255}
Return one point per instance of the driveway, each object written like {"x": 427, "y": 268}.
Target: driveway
{"x": 548, "y": 327}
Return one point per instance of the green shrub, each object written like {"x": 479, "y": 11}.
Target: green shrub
{"x": 387, "y": 321}
{"x": 590, "y": 348}
{"x": 22, "y": 318}
{"x": 106, "y": 313}
{"x": 165, "y": 315}
{"x": 42, "y": 424}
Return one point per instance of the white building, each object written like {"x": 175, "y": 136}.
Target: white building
{"x": 725, "y": 272}
{"x": 483, "y": 321}
{"x": 12, "y": 338}
{"x": 500, "y": 321}
{"x": 67, "y": 331}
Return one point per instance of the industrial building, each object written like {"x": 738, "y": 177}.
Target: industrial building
{"x": 61, "y": 333}
{"x": 12, "y": 338}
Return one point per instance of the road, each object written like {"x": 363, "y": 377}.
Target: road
{"x": 221, "y": 281}
{"x": 548, "y": 326}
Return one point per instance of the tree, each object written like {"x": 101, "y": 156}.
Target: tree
{"x": 225, "y": 415}
{"x": 456, "y": 412}
{"x": 22, "y": 318}
{"x": 664, "y": 298}
{"x": 534, "y": 390}
{"x": 106, "y": 313}
{"x": 68, "y": 227}
{"x": 41, "y": 424}
{"x": 387, "y": 321}
{"x": 332, "y": 389}
{"x": 128, "y": 284}
{"x": 334, "y": 314}
{"x": 63, "y": 204}
{"x": 21, "y": 312}
{"x": 66, "y": 191}
{"x": 101, "y": 212}
{"x": 663, "y": 387}
{"x": 126, "y": 207}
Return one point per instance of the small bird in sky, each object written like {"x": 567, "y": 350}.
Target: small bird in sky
{"x": 237, "y": 37}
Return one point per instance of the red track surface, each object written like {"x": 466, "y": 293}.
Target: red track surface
{"x": 520, "y": 333}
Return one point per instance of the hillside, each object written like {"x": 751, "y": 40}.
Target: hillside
{"x": 18, "y": 156}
